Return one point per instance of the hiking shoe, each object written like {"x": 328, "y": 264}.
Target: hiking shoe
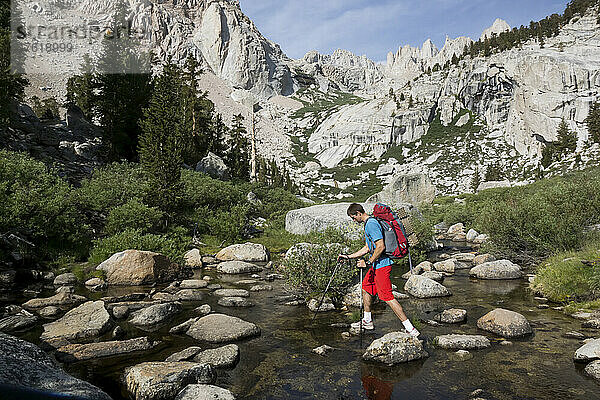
{"x": 365, "y": 325}
{"x": 414, "y": 332}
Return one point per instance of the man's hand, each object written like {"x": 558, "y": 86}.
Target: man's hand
{"x": 343, "y": 257}
{"x": 361, "y": 264}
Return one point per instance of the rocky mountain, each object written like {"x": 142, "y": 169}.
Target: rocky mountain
{"x": 345, "y": 125}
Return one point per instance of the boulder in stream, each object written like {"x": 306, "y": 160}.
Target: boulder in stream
{"x": 422, "y": 287}
{"x": 221, "y": 328}
{"x": 204, "y": 392}
{"x": 395, "y": 348}
{"x": 505, "y": 323}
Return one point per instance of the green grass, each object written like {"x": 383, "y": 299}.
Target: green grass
{"x": 343, "y": 173}
{"x": 322, "y": 104}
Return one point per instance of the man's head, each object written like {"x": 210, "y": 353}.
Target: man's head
{"x": 357, "y": 212}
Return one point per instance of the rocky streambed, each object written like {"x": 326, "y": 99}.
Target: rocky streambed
{"x": 246, "y": 335}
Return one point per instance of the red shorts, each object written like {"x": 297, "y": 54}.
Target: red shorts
{"x": 379, "y": 283}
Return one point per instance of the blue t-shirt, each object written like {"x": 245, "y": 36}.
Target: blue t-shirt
{"x": 373, "y": 233}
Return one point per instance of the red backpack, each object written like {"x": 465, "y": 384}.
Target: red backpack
{"x": 395, "y": 234}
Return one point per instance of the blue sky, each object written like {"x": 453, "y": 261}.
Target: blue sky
{"x": 375, "y": 27}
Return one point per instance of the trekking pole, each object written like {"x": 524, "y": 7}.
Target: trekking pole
{"x": 410, "y": 261}
{"x": 337, "y": 265}
{"x": 361, "y": 304}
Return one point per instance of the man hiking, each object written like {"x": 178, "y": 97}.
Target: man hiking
{"x": 377, "y": 281}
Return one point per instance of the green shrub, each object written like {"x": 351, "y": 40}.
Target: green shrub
{"x": 310, "y": 268}
{"x": 227, "y": 225}
{"x": 133, "y": 215}
{"x": 173, "y": 244}
{"x": 37, "y": 204}
{"x": 112, "y": 186}
{"x": 200, "y": 190}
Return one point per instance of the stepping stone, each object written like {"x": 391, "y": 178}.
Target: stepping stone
{"x": 221, "y": 328}
{"x": 462, "y": 342}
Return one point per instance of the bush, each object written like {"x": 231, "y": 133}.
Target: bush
{"x": 112, "y": 186}
{"x": 200, "y": 190}
{"x": 310, "y": 268}
{"x": 227, "y": 225}
{"x": 173, "y": 244}
{"x": 133, "y": 215}
{"x": 36, "y": 204}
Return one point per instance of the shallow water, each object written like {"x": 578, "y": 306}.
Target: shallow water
{"x": 279, "y": 364}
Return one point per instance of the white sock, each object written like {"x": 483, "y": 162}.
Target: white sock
{"x": 367, "y": 317}
{"x": 407, "y": 325}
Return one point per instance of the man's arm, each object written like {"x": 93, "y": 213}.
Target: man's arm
{"x": 379, "y": 249}
{"x": 358, "y": 254}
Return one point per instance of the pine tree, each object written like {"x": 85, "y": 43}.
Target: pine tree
{"x": 238, "y": 157}
{"x": 476, "y": 180}
{"x": 593, "y": 122}
{"x": 162, "y": 141}
{"x": 80, "y": 89}
{"x": 402, "y": 98}
{"x": 567, "y": 140}
{"x": 548, "y": 154}
{"x": 410, "y": 101}
{"x": 493, "y": 173}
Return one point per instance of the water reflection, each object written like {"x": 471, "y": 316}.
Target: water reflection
{"x": 379, "y": 381}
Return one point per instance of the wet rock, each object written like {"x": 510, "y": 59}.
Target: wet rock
{"x": 8, "y": 277}
{"x": 462, "y": 342}
{"x": 593, "y": 369}
{"x": 246, "y": 282}
{"x": 591, "y": 323}
{"x": 501, "y": 269}
{"x": 209, "y": 260}
{"x": 80, "y": 352}
{"x": 451, "y": 316}
{"x": 120, "y": 312}
{"x": 434, "y": 275}
{"x": 47, "y": 312}
{"x": 220, "y": 328}
{"x": 193, "y": 259}
{"x": 163, "y": 380}
{"x": 207, "y": 278}
{"x": 184, "y": 355}
{"x": 223, "y": 357}
{"x": 214, "y": 286}
{"x": 118, "y": 332}
{"x": 181, "y": 328}
{"x": 422, "y": 287}
{"x": 204, "y": 309}
{"x": 94, "y": 282}
{"x": 20, "y": 321}
{"x": 155, "y": 315}
{"x": 24, "y": 364}
{"x": 395, "y": 348}
{"x": 461, "y": 355}
{"x": 204, "y": 392}
{"x": 86, "y": 321}
{"x": 235, "y": 302}
{"x": 65, "y": 279}
{"x": 464, "y": 257}
{"x": 193, "y": 284}
{"x": 346, "y": 335}
{"x": 135, "y": 267}
{"x": 232, "y": 293}
{"x": 574, "y": 335}
{"x": 506, "y": 343}
{"x": 59, "y": 299}
{"x": 261, "y": 288}
{"x": 322, "y": 350}
{"x": 237, "y": 267}
{"x": 190, "y": 295}
{"x": 65, "y": 289}
{"x": 483, "y": 258}
{"x": 249, "y": 252}
{"x": 588, "y": 352}
{"x": 313, "y": 305}
{"x": 163, "y": 297}
{"x": 123, "y": 298}
{"x": 505, "y": 323}
{"x": 448, "y": 266}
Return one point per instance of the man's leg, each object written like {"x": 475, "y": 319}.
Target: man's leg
{"x": 397, "y": 308}
{"x": 367, "y": 298}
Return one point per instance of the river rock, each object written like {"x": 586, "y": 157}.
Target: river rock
{"x": 232, "y": 293}
{"x": 65, "y": 279}
{"x": 422, "y": 287}
{"x": 163, "y": 380}
{"x": 234, "y": 302}
{"x": 505, "y": 323}
{"x": 313, "y": 305}
{"x": 220, "y": 328}
{"x": 190, "y": 295}
{"x": 135, "y": 267}
{"x": 322, "y": 350}
{"x": 204, "y": 309}
{"x": 434, "y": 275}
{"x": 23, "y": 364}
{"x": 193, "y": 284}
{"x": 184, "y": 326}
{"x": 204, "y": 392}
{"x": 162, "y": 297}
{"x": 48, "y": 312}
{"x": 155, "y": 315}
{"x": 461, "y": 355}
{"x": 249, "y": 252}
{"x": 20, "y": 321}
{"x": 395, "y": 348}
{"x": 223, "y": 357}
{"x": 120, "y": 312}
{"x": 464, "y": 257}
{"x": 451, "y": 316}
{"x": 184, "y": 355}
{"x": 86, "y": 321}
{"x": 65, "y": 289}
{"x": 193, "y": 259}
{"x": 471, "y": 235}
{"x": 237, "y": 267}
{"x": 590, "y": 351}
{"x": 445, "y": 266}
{"x": 59, "y": 299}
{"x": 593, "y": 369}
{"x": 246, "y": 282}
{"x": 456, "y": 229}
{"x": 501, "y": 269}
{"x": 462, "y": 342}
{"x": 483, "y": 258}
{"x": 261, "y": 288}
{"x": 80, "y": 352}
{"x": 214, "y": 286}
{"x": 591, "y": 323}
{"x": 94, "y": 282}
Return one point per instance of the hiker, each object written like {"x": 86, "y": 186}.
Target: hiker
{"x": 377, "y": 281}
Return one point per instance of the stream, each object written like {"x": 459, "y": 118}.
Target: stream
{"x": 279, "y": 364}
